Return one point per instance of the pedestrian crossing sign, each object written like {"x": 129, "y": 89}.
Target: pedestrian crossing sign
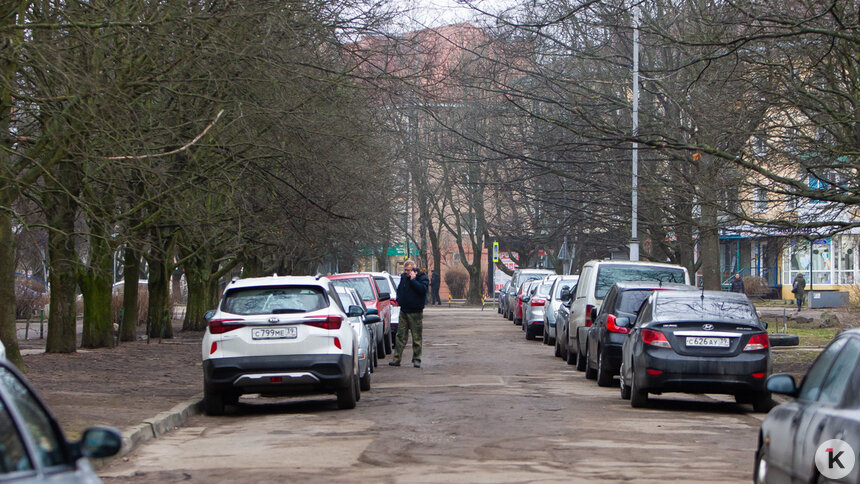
{"x": 495, "y": 252}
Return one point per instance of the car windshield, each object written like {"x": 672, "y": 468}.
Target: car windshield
{"x": 609, "y": 274}
{"x": 631, "y": 301}
{"x": 273, "y": 300}
{"x": 686, "y": 307}
{"x": 360, "y": 284}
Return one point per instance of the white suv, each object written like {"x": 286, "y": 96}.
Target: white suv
{"x": 279, "y": 336}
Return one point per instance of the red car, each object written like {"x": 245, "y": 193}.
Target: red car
{"x": 518, "y": 306}
{"x": 373, "y": 298}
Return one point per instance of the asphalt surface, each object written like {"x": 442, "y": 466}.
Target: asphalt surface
{"x": 487, "y": 406}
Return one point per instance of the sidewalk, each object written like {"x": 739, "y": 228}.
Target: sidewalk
{"x": 130, "y": 387}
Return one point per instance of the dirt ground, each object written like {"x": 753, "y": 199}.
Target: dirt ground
{"x": 120, "y": 386}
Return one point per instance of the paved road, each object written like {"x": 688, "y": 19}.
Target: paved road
{"x": 488, "y": 406}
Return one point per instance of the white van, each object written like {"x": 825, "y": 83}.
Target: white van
{"x": 595, "y": 279}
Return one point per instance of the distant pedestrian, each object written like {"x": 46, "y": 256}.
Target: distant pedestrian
{"x": 798, "y": 287}
{"x": 435, "y": 282}
{"x": 738, "y": 284}
{"x": 411, "y": 297}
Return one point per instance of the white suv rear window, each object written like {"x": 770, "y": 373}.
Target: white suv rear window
{"x": 274, "y": 300}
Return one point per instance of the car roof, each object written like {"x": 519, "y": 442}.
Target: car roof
{"x": 631, "y": 262}
{"x": 633, "y": 285}
{"x": 278, "y": 281}
{"x": 536, "y": 271}
{"x": 350, "y": 275}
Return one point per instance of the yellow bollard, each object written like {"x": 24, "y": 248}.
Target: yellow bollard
{"x": 483, "y": 301}
{"x": 449, "y": 300}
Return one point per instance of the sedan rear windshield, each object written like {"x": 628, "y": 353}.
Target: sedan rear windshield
{"x": 609, "y": 274}
{"x": 544, "y": 289}
{"x": 360, "y": 284}
{"x": 709, "y": 307}
{"x": 631, "y": 301}
{"x": 274, "y": 300}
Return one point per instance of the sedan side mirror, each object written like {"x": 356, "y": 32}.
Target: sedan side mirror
{"x": 355, "y": 311}
{"x": 372, "y": 312}
{"x": 99, "y": 442}
{"x": 622, "y": 321}
{"x": 384, "y": 296}
{"x": 208, "y": 315}
{"x": 371, "y": 319}
{"x": 525, "y": 299}
{"x": 565, "y": 294}
{"x": 594, "y": 314}
{"x": 782, "y": 384}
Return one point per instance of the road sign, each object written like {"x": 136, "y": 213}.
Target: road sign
{"x": 495, "y": 252}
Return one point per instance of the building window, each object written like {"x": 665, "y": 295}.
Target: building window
{"x": 760, "y": 200}
{"x": 798, "y": 256}
{"x": 844, "y": 247}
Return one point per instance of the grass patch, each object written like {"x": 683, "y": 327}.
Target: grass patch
{"x": 795, "y": 362}
{"x": 808, "y": 336}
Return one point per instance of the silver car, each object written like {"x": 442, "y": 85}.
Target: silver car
{"x": 534, "y": 308}
{"x": 33, "y": 448}
{"x": 554, "y": 303}
{"x": 366, "y": 351}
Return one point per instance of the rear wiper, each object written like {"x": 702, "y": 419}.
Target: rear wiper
{"x": 287, "y": 311}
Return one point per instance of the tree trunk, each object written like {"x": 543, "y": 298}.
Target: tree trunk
{"x": 128, "y": 329}
{"x": 62, "y": 317}
{"x": 197, "y": 274}
{"x": 710, "y": 247}
{"x": 8, "y": 333}
{"x": 159, "y": 289}
{"x": 96, "y": 286}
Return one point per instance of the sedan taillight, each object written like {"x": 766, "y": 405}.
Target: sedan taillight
{"x": 612, "y": 327}
{"x": 329, "y": 322}
{"x": 538, "y": 302}
{"x": 757, "y": 342}
{"x": 218, "y": 326}
{"x": 655, "y": 338}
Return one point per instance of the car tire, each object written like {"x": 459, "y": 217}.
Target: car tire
{"x": 625, "y": 389}
{"x": 346, "y": 395}
{"x": 762, "y": 402}
{"x": 364, "y": 382}
{"x": 557, "y": 348}
{"x": 387, "y": 342}
{"x": 638, "y": 397}
{"x": 380, "y": 347}
{"x": 530, "y": 335}
{"x": 760, "y": 468}
{"x": 604, "y": 377}
{"x": 357, "y": 386}
{"x": 213, "y": 402}
{"x": 518, "y": 322}
{"x": 590, "y": 373}
{"x": 569, "y": 357}
{"x": 581, "y": 361}
{"x": 375, "y": 357}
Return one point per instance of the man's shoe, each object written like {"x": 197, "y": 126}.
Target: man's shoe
{"x": 416, "y": 364}
{"x": 393, "y": 363}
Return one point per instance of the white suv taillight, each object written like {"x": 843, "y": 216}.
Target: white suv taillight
{"x": 218, "y": 326}
{"x": 328, "y": 322}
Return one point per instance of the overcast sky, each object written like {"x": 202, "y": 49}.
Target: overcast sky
{"x": 433, "y": 13}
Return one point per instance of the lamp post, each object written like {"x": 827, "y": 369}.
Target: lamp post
{"x": 634, "y": 229}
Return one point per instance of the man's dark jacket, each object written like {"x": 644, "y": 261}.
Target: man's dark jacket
{"x": 737, "y": 285}
{"x": 412, "y": 293}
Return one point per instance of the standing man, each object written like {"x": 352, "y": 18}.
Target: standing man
{"x": 738, "y": 284}
{"x": 798, "y": 287}
{"x": 411, "y": 297}
{"x": 435, "y": 282}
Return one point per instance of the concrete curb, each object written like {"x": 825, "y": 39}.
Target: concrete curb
{"x": 155, "y": 427}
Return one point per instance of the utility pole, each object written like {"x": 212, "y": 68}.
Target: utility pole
{"x": 634, "y": 229}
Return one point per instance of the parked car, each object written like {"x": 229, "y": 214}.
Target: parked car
{"x": 562, "y": 318}
{"x": 605, "y": 338}
{"x": 534, "y": 308}
{"x": 32, "y": 446}
{"x": 373, "y": 298}
{"x": 279, "y": 335}
{"x": 826, "y": 406}
{"x": 502, "y": 296}
{"x": 595, "y": 279}
{"x": 552, "y": 305}
{"x": 2, "y": 351}
{"x": 366, "y": 344}
{"x": 517, "y": 279}
{"x": 388, "y": 283}
{"x": 696, "y": 342}
{"x": 518, "y": 303}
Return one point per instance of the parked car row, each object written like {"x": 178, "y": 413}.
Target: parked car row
{"x": 644, "y": 323}
{"x": 296, "y": 335}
